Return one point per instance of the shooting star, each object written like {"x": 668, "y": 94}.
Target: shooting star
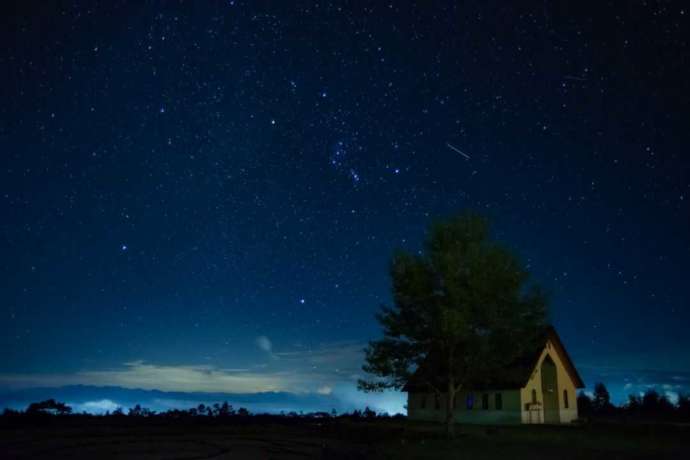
{"x": 452, "y": 147}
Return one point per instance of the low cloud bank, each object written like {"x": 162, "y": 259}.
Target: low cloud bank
{"x": 303, "y": 379}
{"x": 98, "y": 400}
{"x": 622, "y": 382}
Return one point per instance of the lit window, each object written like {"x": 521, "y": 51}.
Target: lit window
{"x": 469, "y": 402}
{"x": 565, "y": 398}
{"x": 485, "y": 401}
{"x": 498, "y": 401}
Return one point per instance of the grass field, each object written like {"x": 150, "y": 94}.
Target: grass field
{"x": 390, "y": 439}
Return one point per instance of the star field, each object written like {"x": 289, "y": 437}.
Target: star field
{"x": 181, "y": 178}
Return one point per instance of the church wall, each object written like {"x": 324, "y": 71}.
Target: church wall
{"x": 423, "y": 406}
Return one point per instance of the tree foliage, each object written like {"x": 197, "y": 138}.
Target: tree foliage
{"x": 601, "y": 402}
{"x": 463, "y": 311}
{"x": 650, "y": 405}
{"x": 49, "y": 406}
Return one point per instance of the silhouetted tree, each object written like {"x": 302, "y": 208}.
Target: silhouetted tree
{"x": 242, "y": 412}
{"x": 601, "y": 403}
{"x": 135, "y": 411}
{"x": 226, "y": 410}
{"x": 584, "y": 404}
{"x": 683, "y": 407}
{"x": 655, "y": 405}
{"x": 138, "y": 411}
{"x": 368, "y": 413}
{"x": 463, "y": 311}
{"x": 634, "y": 405}
{"x": 49, "y": 406}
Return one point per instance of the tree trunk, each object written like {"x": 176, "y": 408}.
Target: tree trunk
{"x": 450, "y": 402}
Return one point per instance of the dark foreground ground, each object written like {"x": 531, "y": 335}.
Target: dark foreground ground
{"x": 392, "y": 439}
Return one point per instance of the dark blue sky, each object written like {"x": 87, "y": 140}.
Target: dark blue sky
{"x": 204, "y": 196}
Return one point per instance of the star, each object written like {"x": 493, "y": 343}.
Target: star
{"x": 224, "y": 211}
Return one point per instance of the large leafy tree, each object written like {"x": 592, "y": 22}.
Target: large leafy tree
{"x": 464, "y": 311}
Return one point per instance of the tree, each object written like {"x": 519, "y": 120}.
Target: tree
{"x": 656, "y": 405}
{"x": 49, "y": 406}
{"x": 584, "y": 404}
{"x": 634, "y": 405}
{"x": 369, "y": 413}
{"x": 138, "y": 411}
{"x": 223, "y": 410}
{"x": 135, "y": 411}
{"x": 601, "y": 403}
{"x": 463, "y": 311}
{"x": 683, "y": 407}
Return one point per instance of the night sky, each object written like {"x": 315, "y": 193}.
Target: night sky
{"x": 205, "y": 196}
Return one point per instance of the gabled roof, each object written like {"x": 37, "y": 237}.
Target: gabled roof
{"x": 565, "y": 357}
{"x": 518, "y": 373}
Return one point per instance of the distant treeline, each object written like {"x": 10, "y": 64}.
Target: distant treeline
{"x": 649, "y": 406}
{"x": 221, "y": 411}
